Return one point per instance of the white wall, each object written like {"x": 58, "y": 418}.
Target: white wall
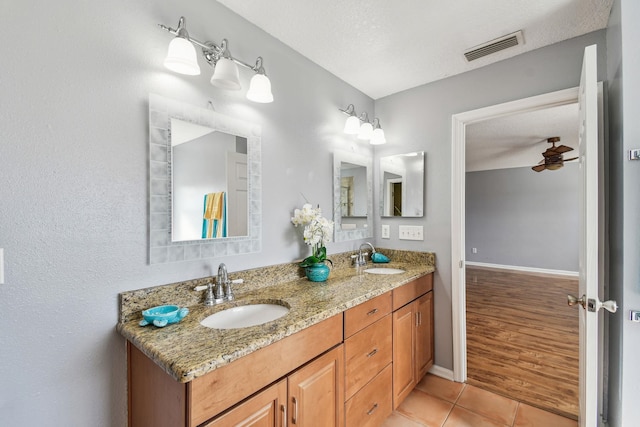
{"x": 623, "y": 64}
{"x": 522, "y": 218}
{"x": 75, "y": 81}
{"x": 420, "y": 119}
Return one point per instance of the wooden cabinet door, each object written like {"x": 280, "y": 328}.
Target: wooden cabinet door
{"x": 266, "y": 409}
{"x": 424, "y": 334}
{"x": 404, "y": 372}
{"x": 316, "y": 392}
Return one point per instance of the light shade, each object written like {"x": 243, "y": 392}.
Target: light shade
{"x": 225, "y": 75}
{"x": 377, "y": 138}
{"x": 181, "y": 57}
{"x": 352, "y": 125}
{"x": 260, "y": 89}
{"x": 366, "y": 130}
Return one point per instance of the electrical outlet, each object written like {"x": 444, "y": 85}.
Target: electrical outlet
{"x": 474, "y": 250}
{"x": 385, "y": 231}
{"x": 411, "y": 232}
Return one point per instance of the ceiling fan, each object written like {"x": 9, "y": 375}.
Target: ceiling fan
{"x": 553, "y": 158}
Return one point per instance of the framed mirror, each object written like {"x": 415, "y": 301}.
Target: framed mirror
{"x": 352, "y": 196}
{"x": 205, "y": 183}
{"x": 402, "y": 185}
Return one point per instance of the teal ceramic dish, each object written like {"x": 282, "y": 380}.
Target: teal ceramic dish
{"x": 379, "y": 258}
{"x": 163, "y": 315}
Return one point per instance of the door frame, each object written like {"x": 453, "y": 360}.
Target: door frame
{"x": 458, "y": 169}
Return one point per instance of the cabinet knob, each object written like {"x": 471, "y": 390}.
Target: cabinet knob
{"x": 375, "y": 350}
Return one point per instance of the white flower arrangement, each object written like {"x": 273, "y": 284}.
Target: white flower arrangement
{"x": 317, "y": 231}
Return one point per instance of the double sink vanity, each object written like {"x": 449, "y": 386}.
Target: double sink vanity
{"x": 346, "y": 352}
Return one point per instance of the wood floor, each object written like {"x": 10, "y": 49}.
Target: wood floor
{"x": 522, "y": 337}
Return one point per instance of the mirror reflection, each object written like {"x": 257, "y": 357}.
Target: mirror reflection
{"x": 402, "y": 185}
{"x": 182, "y": 179}
{"x": 209, "y": 183}
{"x": 353, "y": 201}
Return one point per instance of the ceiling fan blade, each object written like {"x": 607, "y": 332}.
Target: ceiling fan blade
{"x": 562, "y": 149}
{"x": 573, "y": 158}
{"x": 539, "y": 168}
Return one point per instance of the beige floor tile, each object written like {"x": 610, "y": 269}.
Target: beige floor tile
{"x": 425, "y": 409}
{"x": 493, "y": 406}
{"x": 398, "y": 420}
{"x": 460, "y": 417}
{"x": 528, "y": 416}
{"x": 439, "y": 387}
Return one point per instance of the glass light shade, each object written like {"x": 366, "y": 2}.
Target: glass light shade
{"x": 181, "y": 57}
{"x": 366, "y": 130}
{"x": 260, "y": 89}
{"x": 377, "y": 138}
{"x": 352, "y": 125}
{"x": 225, "y": 75}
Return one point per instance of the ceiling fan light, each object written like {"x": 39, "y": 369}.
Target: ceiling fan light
{"x": 553, "y": 166}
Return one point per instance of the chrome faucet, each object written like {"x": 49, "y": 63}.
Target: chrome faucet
{"x": 222, "y": 291}
{"x": 360, "y": 259}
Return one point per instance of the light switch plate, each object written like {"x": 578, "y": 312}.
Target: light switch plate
{"x": 411, "y": 232}
{"x": 1, "y": 266}
{"x": 386, "y": 234}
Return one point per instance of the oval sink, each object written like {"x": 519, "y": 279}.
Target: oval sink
{"x": 244, "y": 316}
{"x": 384, "y": 270}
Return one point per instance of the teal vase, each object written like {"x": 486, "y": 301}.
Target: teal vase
{"x": 318, "y": 272}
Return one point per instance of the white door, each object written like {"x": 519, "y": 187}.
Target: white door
{"x": 237, "y": 196}
{"x": 590, "y": 245}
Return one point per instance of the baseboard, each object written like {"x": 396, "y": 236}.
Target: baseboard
{"x": 525, "y": 269}
{"x": 439, "y": 371}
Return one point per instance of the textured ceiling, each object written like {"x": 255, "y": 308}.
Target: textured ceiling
{"x": 382, "y": 47}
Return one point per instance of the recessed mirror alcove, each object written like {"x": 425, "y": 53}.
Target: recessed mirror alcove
{"x": 205, "y": 183}
{"x": 402, "y": 185}
{"x": 352, "y": 196}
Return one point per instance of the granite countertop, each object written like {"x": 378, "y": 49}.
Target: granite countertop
{"x": 187, "y": 350}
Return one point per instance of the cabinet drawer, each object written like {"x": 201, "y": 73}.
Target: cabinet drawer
{"x": 367, "y": 353}
{"x": 373, "y": 404}
{"x": 412, "y": 290}
{"x": 363, "y": 315}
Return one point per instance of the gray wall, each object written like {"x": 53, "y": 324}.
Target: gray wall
{"x": 73, "y": 174}
{"x": 521, "y": 218}
{"x": 623, "y": 63}
{"x": 420, "y": 119}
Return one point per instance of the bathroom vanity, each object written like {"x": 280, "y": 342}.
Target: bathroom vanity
{"x": 348, "y": 352}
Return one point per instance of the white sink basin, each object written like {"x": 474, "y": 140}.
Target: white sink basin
{"x": 384, "y": 270}
{"x": 244, "y": 316}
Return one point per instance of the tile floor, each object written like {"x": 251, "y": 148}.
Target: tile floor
{"x": 437, "y": 402}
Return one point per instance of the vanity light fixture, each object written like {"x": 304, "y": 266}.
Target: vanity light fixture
{"x": 377, "y": 137}
{"x": 362, "y": 127}
{"x": 366, "y": 128}
{"x": 181, "y": 58}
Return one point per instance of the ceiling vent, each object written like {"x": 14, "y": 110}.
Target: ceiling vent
{"x": 493, "y": 46}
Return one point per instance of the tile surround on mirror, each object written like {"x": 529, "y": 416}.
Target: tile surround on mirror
{"x": 341, "y": 235}
{"x": 161, "y": 248}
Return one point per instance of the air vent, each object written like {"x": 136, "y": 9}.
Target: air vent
{"x": 493, "y": 46}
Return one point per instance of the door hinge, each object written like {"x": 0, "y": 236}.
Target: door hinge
{"x": 461, "y": 264}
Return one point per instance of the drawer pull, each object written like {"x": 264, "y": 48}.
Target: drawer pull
{"x": 283, "y": 408}
{"x": 372, "y": 312}
{"x": 375, "y": 350}
{"x": 294, "y": 417}
{"x": 373, "y": 409}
